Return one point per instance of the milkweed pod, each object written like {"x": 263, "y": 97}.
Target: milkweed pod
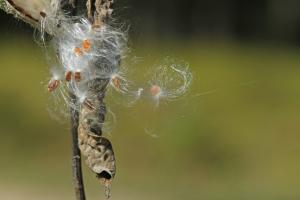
{"x": 99, "y": 155}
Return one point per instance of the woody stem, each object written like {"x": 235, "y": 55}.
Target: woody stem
{"x": 76, "y": 155}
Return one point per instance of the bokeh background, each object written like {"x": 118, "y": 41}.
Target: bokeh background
{"x": 234, "y": 136}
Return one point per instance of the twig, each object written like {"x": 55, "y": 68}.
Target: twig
{"x": 76, "y": 155}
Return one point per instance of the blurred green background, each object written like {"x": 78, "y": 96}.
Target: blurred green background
{"x": 234, "y": 136}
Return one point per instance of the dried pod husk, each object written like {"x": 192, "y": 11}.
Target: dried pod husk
{"x": 99, "y": 155}
{"x": 97, "y": 149}
{"x": 99, "y": 11}
{"x": 36, "y": 12}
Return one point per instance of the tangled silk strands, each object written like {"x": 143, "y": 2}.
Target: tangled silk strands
{"x": 86, "y": 63}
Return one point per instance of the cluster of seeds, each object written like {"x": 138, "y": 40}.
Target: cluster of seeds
{"x": 87, "y": 53}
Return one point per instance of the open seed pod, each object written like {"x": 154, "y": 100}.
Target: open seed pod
{"x": 97, "y": 150}
{"x": 41, "y": 14}
{"x": 99, "y": 155}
